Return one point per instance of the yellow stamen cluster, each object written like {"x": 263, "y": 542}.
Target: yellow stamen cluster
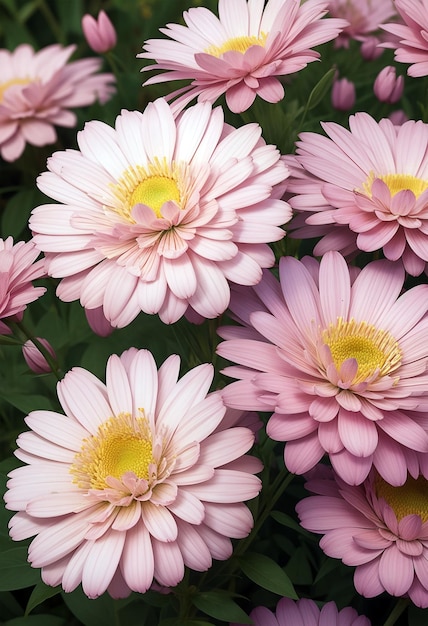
{"x": 375, "y": 350}
{"x": 409, "y": 499}
{"x": 396, "y": 183}
{"x": 9, "y": 83}
{"x": 238, "y": 44}
{"x": 122, "y": 444}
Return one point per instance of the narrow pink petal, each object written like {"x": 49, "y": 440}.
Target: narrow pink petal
{"x": 196, "y": 554}
{"x": 396, "y": 571}
{"x": 230, "y": 520}
{"x": 137, "y": 572}
{"x": 102, "y": 562}
{"x": 367, "y": 580}
{"x": 159, "y": 522}
{"x": 168, "y": 563}
{"x": 302, "y": 455}
{"x": 358, "y": 434}
{"x": 352, "y": 469}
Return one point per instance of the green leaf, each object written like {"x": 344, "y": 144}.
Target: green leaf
{"x": 40, "y": 593}
{"x": 26, "y": 403}
{"x": 220, "y": 605}
{"x": 266, "y": 573}
{"x": 320, "y": 89}
{"x": 17, "y": 211}
{"x": 102, "y": 610}
{"x": 36, "y": 620}
{"x": 289, "y": 522}
{"x": 15, "y": 571}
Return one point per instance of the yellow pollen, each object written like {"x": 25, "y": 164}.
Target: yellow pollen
{"x": 155, "y": 191}
{"x": 409, "y": 499}
{"x": 396, "y": 183}
{"x": 375, "y": 350}
{"x": 122, "y": 444}
{"x": 9, "y": 83}
{"x": 238, "y": 44}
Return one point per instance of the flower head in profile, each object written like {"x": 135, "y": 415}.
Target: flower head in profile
{"x": 380, "y": 529}
{"x": 136, "y": 480}
{"x": 340, "y": 356}
{"x": 410, "y": 41}
{"x": 364, "y": 189}
{"x": 37, "y": 91}
{"x": 364, "y": 18}
{"x": 243, "y": 52}
{"x": 158, "y": 214}
{"x": 18, "y": 268}
{"x": 305, "y": 612}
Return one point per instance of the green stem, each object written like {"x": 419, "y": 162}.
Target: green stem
{"x": 398, "y": 609}
{"x": 51, "y": 20}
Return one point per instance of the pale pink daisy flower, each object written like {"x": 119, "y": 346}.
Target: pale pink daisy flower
{"x": 305, "y": 612}
{"x": 37, "y": 91}
{"x": 364, "y": 17}
{"x": 380, "y": 529}
{"x": 364, "y": 189}
{"x": 341, "y": 358}
{"x": 18, "y": 268}
{"x": 410, "y": 43}
{"x": 160, "y": 213}
{"x": 242, "y": 52}
{"x": 135, "y": 481}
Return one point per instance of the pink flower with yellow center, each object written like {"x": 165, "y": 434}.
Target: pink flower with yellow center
{"x": 37, "y": 89}
{"x": 158, "y": 214}
{"x": 243, "y": 52}
{"x": 380, "y": 529}
{"x": 140, "y": 477}
{"x": 364, "y": 189}
{"x": 340, "y": 356}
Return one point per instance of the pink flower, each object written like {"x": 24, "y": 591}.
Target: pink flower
{"x": 343, "y": 94}
{"x": 412, "y": 44}
{"x": 340, "y": 357}
{"x": 381, "y": 529}
{"x": 388, "y": 87}
{"x": 137, "y": 479}
{"x": 242, "y": 52}
{"x": 159, "y": 214}
{"x": 364, "y": 18}
{"x": 99, "y": 33}
{"x": 370, "y": 183}
{"x": 370, "y": 49}
{"x": 37, "y": 89}
{"x": 305, "y": 612}
{"x": 34, "y": 358}
{"x": 18, "y": 267}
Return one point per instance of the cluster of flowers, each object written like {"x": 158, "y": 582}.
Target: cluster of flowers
{"x": 172, "y": 212}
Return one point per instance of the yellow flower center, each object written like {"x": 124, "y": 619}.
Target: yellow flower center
{"x": 374, "y": 350}
{"x": 409, "y": 499}
{"x": 238, "y": 44}
{"x": 122, "y": 444}
{"x": 9, "y": 83}
{"x": 397, "y": 182}
{"x": 153, "y": 185}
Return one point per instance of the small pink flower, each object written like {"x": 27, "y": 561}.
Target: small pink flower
{"x": 243, "y": 52}
{"x": 37, "y": 91}
{"x": 138, "y": 479}
{"x": 339, "y": 355}
{"x": 99, "y": 33}
{"x": 388, "y": 87}
{"x": 343, "y": 94}
{"x": 364, "y": 18}
{"x": 305, "y": 612}
{"x": 380, "y": 529}
{"x": 370, "y": 49}
{"x": 18, "y": 268}
{"x": 410, "y": 39}
{"x": 34, "y": 358}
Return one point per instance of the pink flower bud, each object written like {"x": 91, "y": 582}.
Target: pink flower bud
{"x": 370, "y": 48}
{"x": 98, "y": 322}
{"x": 388, "y": 87}
{"x": 398, "y": 117}
{"x": 34, "y": 358}
{"x": 343, "y": 94}
{"x": 100, "y": 34}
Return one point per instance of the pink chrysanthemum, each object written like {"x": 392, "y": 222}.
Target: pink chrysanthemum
{"x": 381, "y": 529}
{"x": 364, "y": 17}
{"x": 37, "y": 89}
{"x": 158, "y": 214}
{"x": 18, "y": 268}
{"x": 342, "y": 361}
{"x": 412, "y": 44}
{"x": 136, "y": 481}
{"x": 242, "y": 52}
{"x": 305, "y": 612}
{"x": 364, "y": 189}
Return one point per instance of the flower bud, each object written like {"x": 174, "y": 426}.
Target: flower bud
{"x": 34, "y": 358}
{"x": 100, "y": 34}
{"x": 370, "y": 49}
{"x": 343, "y": 94}
{"x": 388, "y": 87}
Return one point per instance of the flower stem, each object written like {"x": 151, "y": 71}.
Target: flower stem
{"x": 398, "y": 609}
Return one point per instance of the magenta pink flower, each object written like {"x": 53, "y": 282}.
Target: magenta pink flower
{"x": 305, "y": 612}
{"x": 242, "y": 52}
{"x": 37, "y": 91}
{"x": 138, "y": 479}
{"x": 34, "y": 358}
{"x": 18, "y": 268}
{"x": 364, "y": 189}
{"x": 340, "y": 357}
{"x": 99, "y": 33}
{"x": 412, "y": 44}
{"x": 381, "y": 529}
{"x": 364, "y": 18}
{"x": 343, "y": 94}
{"x": 159, "y": 214}
{"x": 388, "y": 87}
